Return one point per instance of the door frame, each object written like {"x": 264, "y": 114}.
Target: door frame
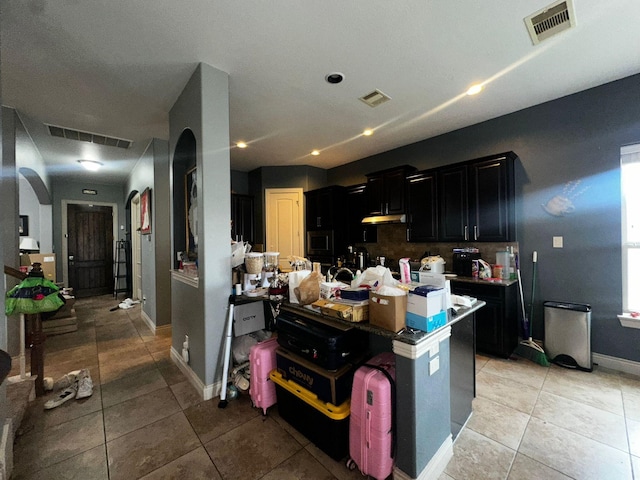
{"x": 136, "y": 250}
{"x": 267, "y": 204}
{"x": 65, "y": 234}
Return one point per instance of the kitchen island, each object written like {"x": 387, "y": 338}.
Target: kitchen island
{"x": 435, "y": 382}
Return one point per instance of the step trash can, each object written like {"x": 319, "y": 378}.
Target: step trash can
{"x": 567, "y": 334}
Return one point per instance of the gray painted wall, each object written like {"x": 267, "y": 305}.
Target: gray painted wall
{"x": 203, "y": 107}
{"x": 574, "y": 139}
{"x": 152, "y": 171}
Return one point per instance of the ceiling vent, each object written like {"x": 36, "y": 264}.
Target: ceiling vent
{"x": 375, "y": 98}
{"x": 89, "y": 137}
{"x": 551, "y": 20}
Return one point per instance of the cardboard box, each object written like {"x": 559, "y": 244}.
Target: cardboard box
{"x": 427, "y": 324}
{"x": 331, "y": 387}
{"x": 352, "y": 312}
{"x": 387, "y": 312}
{"x": 47, "y": 260}
{"x": 248, "y": 318}
{"x": 426, "y": 308}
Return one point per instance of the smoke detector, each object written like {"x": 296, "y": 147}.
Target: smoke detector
{"x": 551, "y": 20}
{"x": 375, "y": 98}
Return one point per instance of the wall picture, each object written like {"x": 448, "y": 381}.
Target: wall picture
{"x": 191, "y": 202}
{"x": 23, "y": 226}
{"x": 145, "y": 212}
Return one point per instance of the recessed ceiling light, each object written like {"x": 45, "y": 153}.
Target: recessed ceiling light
{"x": 315, "y": 152}
{"x": 241, "y": 145}
{"x": 367, "y": 132}
{"x": 90, "y": 165}
{"x": 334, "y": 77}
{"x": 474, "y": 89}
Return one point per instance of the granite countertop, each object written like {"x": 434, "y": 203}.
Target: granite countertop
{"x": 410, "y": 337}
{"x": 493, "y": 281}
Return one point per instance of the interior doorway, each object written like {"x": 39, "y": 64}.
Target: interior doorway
{"x": 136, "y": 253}
{"x": 284, "y": 223}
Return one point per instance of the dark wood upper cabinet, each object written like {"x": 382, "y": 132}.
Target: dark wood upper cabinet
{"x": 242, "y": 218}
{"x": 477, "y": 200}
{"x": 386, "y": 191}
{"x": 325, "y": 208}
{"x": 356, "y": 199}
{"x": 422, "y": 207}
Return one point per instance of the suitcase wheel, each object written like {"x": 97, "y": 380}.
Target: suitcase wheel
{"x": 351, "y": 465}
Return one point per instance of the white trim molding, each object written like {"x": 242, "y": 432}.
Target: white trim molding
{"x": 436, "y": 465}
{"x": 626, "y": 320}
{"x": 615, "y": 363}
{"x": 207, "y": 391}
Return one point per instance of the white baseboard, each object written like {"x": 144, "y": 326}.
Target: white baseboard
{"x": 436, "y": 465}
{"x": 148, "y": 321}
{"x": 207, "y": 391}
{"x": 615, "y": 363}
{"x": 6, "y": 450}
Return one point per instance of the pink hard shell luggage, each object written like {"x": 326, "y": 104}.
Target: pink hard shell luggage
{"x": 372, "y": 424}
{"x": 262, "y": 359}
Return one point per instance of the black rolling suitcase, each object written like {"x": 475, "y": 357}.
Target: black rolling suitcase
{"x": 327, "y": 346}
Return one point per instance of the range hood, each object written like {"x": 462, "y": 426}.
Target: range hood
{"x": 380, "y": 219}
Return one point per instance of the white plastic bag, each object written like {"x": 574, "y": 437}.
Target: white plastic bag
{"x": 375, "y": 277}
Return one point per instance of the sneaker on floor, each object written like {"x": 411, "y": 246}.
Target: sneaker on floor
{"x": 47, "y": 383}
{"x": 66, "y": 395}
{"x": 66, "y": 380}
{"x": 85, "y": 384}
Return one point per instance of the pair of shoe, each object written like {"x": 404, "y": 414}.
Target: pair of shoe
{"x": 76, "y": 384}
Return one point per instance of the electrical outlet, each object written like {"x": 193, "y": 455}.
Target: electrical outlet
{"x": 557, "y": 242}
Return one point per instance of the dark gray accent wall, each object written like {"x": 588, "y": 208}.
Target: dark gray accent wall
{"x": 64, "y": 190}
{"x": 303, "y": 176}
{"x": 568, "y": 146}
{"x": 240, "y": 182}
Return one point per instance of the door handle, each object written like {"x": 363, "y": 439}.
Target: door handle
{"x": 364, "y": 235}
{"x": 475, "y": 232}
{"x": 466, "y": 232}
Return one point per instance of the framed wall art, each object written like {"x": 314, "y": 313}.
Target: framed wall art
{"x": 23, "y": 226}
{"x": 191, "y": 214}
{"x": 145, "y": 212}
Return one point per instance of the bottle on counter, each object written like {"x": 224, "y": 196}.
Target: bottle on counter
{"x": 512, "y": 264}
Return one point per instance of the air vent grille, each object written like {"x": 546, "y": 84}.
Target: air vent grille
{"x": 89, "y": 137}
{"x": 549, "y": 21}
{"x": 375, "y": 98}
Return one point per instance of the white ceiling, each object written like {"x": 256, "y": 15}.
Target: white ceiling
{"x": 116, "y": 67}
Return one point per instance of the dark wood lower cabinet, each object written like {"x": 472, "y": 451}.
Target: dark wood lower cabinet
{"x": 497, "y": 321}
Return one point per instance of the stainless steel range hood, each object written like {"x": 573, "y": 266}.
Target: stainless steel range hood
{"x": 380, "y": 219}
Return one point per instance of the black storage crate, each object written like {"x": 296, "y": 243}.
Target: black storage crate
{"x": 326, "y": 425}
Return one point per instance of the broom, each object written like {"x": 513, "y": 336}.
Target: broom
{"x": 527, "y": 348}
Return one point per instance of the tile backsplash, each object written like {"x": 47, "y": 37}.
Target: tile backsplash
{"x": 392, "y": 244}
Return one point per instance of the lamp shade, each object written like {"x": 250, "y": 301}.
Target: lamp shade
{"x": 29, "y": 244}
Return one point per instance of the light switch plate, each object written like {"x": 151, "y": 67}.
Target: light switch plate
{"x": 557, "y": 242}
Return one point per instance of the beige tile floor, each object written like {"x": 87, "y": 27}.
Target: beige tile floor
{"x": 144, "y": 420}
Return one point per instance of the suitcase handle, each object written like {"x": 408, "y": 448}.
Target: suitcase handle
{"x": 302, "y": 349}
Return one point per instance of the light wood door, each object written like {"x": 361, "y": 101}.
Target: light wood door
{"x": 284, "y": 223}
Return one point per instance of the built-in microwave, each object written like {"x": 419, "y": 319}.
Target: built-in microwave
{"x": 320, "y": 243}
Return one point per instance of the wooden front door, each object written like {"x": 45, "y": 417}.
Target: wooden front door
{"x": 90, "y": 240}
{"x": 284, "y": 232}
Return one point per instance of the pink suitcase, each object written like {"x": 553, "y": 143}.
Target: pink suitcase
{"x": 371, "y": 442}
{"x": 262, "y": 359}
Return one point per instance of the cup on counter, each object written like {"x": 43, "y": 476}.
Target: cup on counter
{"x": 238, "y": 289}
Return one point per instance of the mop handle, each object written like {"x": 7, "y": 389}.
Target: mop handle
{"x": 533, "y": 290}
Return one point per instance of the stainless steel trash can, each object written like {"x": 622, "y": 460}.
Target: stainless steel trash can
{"x": 567, "y": 334}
